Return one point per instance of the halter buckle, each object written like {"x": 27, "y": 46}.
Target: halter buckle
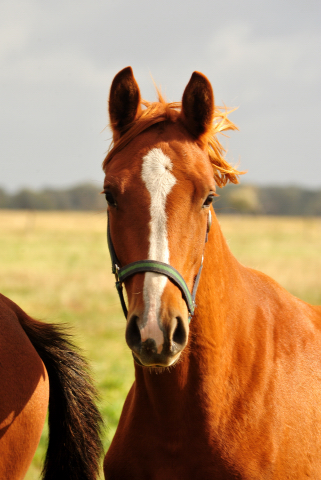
{"x": 116, "y": 273}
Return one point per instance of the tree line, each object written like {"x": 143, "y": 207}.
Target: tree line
{"x": 79, "y": 197}
{"x": 267, "y": 200}
{"x": 232, "y": 199}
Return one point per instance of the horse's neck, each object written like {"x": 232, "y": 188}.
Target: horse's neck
{"x": 206, "y": 363}
{"x": 219, "y": 298}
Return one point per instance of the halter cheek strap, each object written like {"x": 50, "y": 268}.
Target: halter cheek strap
{"x": 157, "y": 267}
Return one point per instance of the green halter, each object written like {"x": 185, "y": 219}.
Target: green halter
{"x": 157, "y": 267}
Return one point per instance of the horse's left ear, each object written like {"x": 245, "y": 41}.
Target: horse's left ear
{"x": 198, "y": 105}
{"x": 124, "y": 101}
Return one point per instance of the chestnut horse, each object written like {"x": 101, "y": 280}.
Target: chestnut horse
{"x": 38, "y": 363}
{"x": 238, "y": 394}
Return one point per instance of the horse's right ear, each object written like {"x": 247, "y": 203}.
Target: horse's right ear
{"x": 124, "y": 102}
{"x": 198, "y": 105}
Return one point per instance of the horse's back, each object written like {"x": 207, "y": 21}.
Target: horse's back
{"x": 24, "y": 394}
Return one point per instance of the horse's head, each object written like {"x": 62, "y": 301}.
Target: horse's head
{"x": 159, "y": 186}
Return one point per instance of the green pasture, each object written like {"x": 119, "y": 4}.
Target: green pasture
{"x": 56, "y": 266}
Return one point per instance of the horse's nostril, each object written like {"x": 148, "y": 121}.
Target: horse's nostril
{"x": 133, "y": 338}
{"x": 179, "y": 335}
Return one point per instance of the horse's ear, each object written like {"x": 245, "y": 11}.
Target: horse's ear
{"x": 124, "y": 101}
{"x": 198, "y": 105}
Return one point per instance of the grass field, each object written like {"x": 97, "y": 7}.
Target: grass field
{"x": 56, "y": 267}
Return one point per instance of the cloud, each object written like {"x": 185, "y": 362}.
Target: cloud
{"x": 285, "y": 58}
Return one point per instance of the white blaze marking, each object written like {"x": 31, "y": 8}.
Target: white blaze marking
{"x": 157, "y": 176}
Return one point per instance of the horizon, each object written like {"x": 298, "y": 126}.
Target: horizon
{"x": 99, "y": 187}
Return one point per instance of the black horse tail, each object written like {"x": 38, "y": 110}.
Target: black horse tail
{"x": 74, "y": 446}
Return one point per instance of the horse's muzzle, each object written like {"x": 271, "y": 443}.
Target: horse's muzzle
{"x": 160, "y": 351}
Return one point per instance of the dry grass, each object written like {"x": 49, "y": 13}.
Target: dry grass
{"x": 286, "y": 248}
{"x": 56, "y": 267}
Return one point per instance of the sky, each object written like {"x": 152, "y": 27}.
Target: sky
{"x": 58, "y": 59}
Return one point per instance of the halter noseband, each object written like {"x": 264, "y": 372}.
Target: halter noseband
{"x": 121, "y": 273}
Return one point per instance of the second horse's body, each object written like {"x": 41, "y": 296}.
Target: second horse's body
{"x": 39, "y": 367}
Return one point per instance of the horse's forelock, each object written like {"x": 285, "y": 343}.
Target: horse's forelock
{"x": 161, "y": 111}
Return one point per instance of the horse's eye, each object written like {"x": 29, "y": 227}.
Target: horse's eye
{"x": 110, "y": 199}
{"x": 208, "y": 200}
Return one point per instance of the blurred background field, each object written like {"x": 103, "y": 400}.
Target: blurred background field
{"x": 56, "y": 266}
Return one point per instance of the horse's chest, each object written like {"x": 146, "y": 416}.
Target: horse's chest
{"x": 141, "y": 455}
{"x": 156, "y": 467}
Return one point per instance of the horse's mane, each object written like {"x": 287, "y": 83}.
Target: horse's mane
{"x": 161, "y": 111}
